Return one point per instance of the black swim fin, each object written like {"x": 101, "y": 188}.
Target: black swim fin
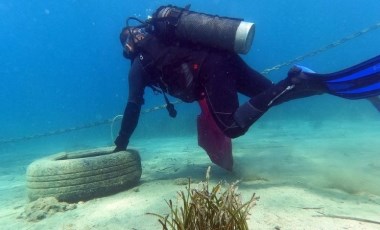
{"x": 357, "y": 82}
{"x": 375, "y": 101}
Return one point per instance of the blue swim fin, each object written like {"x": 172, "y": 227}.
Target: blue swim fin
{"x": 357, "y": 82}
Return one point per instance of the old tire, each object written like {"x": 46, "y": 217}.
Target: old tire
{"x": 83, "y": 175}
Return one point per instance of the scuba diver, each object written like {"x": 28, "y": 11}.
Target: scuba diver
{"x": 167, "y": 56}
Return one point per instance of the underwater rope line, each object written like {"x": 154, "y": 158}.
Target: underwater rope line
{"x": 159, "y": 107}
{"x": 324, "y": 48}
{"x": 77, "y": 128}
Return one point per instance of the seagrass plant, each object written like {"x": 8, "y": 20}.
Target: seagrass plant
{"x": 201, "y": 209}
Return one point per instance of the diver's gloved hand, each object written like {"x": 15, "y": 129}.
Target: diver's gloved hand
{"x": 118, "y": 149}
{"x": 121, "y": 144}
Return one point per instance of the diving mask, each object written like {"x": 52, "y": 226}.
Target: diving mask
{"x": 129, "y": 37}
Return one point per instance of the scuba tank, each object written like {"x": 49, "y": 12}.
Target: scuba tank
{"x": 174, "y": 23}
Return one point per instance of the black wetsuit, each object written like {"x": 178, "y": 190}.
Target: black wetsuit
{"x": 219, "y": 77}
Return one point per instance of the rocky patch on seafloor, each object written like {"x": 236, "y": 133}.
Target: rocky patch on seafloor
{"x": 43, "y": 208}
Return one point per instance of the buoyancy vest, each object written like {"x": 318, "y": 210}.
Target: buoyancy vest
{"x": 175, "y": 68}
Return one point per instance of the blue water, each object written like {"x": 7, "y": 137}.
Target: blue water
{"x": 61, "y": 65}
{"x": 61, "y": 62}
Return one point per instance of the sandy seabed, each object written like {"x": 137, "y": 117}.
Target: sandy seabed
{"x": 307, "y": 175}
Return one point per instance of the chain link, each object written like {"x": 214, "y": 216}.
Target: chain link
{"x": 265, "y": 71}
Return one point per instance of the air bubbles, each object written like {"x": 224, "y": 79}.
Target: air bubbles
{"x": 149, "y": 11}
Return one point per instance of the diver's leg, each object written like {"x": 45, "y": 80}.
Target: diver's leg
{"x": 219, "y": 87}
{"x": 249, "y": 82}
{"x": 222, "y": 101}
{"x": 222, "y": 81}
{"x": 296, "y": 85}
